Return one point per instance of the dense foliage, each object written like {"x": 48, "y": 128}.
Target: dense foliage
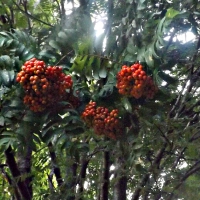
{"x": 99, "y": 114}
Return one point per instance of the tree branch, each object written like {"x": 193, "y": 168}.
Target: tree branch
{"x": 7, "y": 177}
{"x": 145, "y": 178}
{"x": 105, "y": 176}
{"x": 10, "y": 160}
{"x": 191, "y": 171}
{"x": 56, "y": 169}
{"x": 50, "y": 177}
{"x": 28, "y": 19}
{"x": 31, "y": 16}
{"x": 82, "y": 175}
{"x": 10, "y": 17}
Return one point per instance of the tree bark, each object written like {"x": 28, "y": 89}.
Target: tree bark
{"x": 25, "y": 4}
{"x": 120, "y": 188}
{"x": 10, "y": 160}
{"x": 120, "y": 185}
{"x": 24, "y": 165}
{"x": 71, "y": 185}
{"x": 82, "y": 175}
{"x": 10, "y": 182}
{"x": 24, "y": 155}
{"x": 56, "y": 169}
{"x": 105, "y": 177}
{"x": 145, "y": 178}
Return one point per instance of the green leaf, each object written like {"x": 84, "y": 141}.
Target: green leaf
{"x": 103, "y": 72}
{"x": 48, "y": 136}
{"x": 27, "y": 55}
{"x": 137, "y": 146}
{"x": 106, "y": 90}
{"x": 9, "y": 43}
{"x": 2, "y": 120}
{"x": 131, "y": 49}
{"x": 6, "y": 62}
{"x": 31, "y": 117}
{"x": 192, "y": 151}
{"x": 127, "y": 105}
{"x": 8, "y": 133}
{"x": 46, "y": 54}
{"x": 79, "y": 64}
{"x": 64, "y": 141}
{"x": 53, "y": 133}
{"x": 16, "y": 103}
{"x": 130, "y": 58}
{"x": 5, "y": 78}
{"x": 171, "y": 13}
{"x": 54, "y": 44}
{"x": 151, "y": 49}
{"x": 158, "y": 45}
{"x": 88, "y": 67}
{"x": 8, "y": 138}
{"x": 83, "y": 147}
{"x": 6, "y": 141}
{"x": 84, "y": 47}
{"x": 96, "y": 67}
{"x": 167, "y": 77}
{"x": 6, "y": 34}
{"x": 149, "y": 58}
{"x": 160, "y": 26}
{"x": 141, "y": 5}
{"x": 141, "y": 54}
{"x": 36, "y": 139}
{"x": 2, "y": 41}
{"x": 63, "y": 36}
{"x": 20, "y": 50}
{"x": 75, "y": 131}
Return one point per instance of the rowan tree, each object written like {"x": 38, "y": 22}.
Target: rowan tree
{"x": 99, "y": 114}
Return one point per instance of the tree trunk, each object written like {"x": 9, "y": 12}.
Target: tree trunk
{"x": 24, "y": 164}
{"x": 10, "y": 160}
{"x": 120, "y": 185}
{"x": 105, "y": 177}
{"x": 71, "y": 185}
{"x": 56, "y": 169}
{"x": 82, "y": 175}
{"x": 24, "y": 154}
{"x": 145, "y": 178}
{"x": 120, "y": 188}
{"x": 10, "y": 182}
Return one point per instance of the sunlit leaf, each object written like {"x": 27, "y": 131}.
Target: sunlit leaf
{"x": 149, "y": 58}
{"x": 5, "y": 78}
{"x": 141, "y": 55}
{"x": 103, "y": 72}
{"x": 167, "y": 77}
{"x": 127, "y": 104}
{"x": 171, "y": 13}
{"x": 79, "y": 64}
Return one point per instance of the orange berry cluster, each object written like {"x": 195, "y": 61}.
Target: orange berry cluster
{"x": 43, "y": 85}
{"x": 102, "y": 121}
{"x": 134, "y": 82}
{"x": 89, "y": 113}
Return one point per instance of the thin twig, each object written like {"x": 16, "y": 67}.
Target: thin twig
{"x": 31, "y": 16}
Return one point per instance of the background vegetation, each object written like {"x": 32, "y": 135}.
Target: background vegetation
{"x": 53, "y": 154}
